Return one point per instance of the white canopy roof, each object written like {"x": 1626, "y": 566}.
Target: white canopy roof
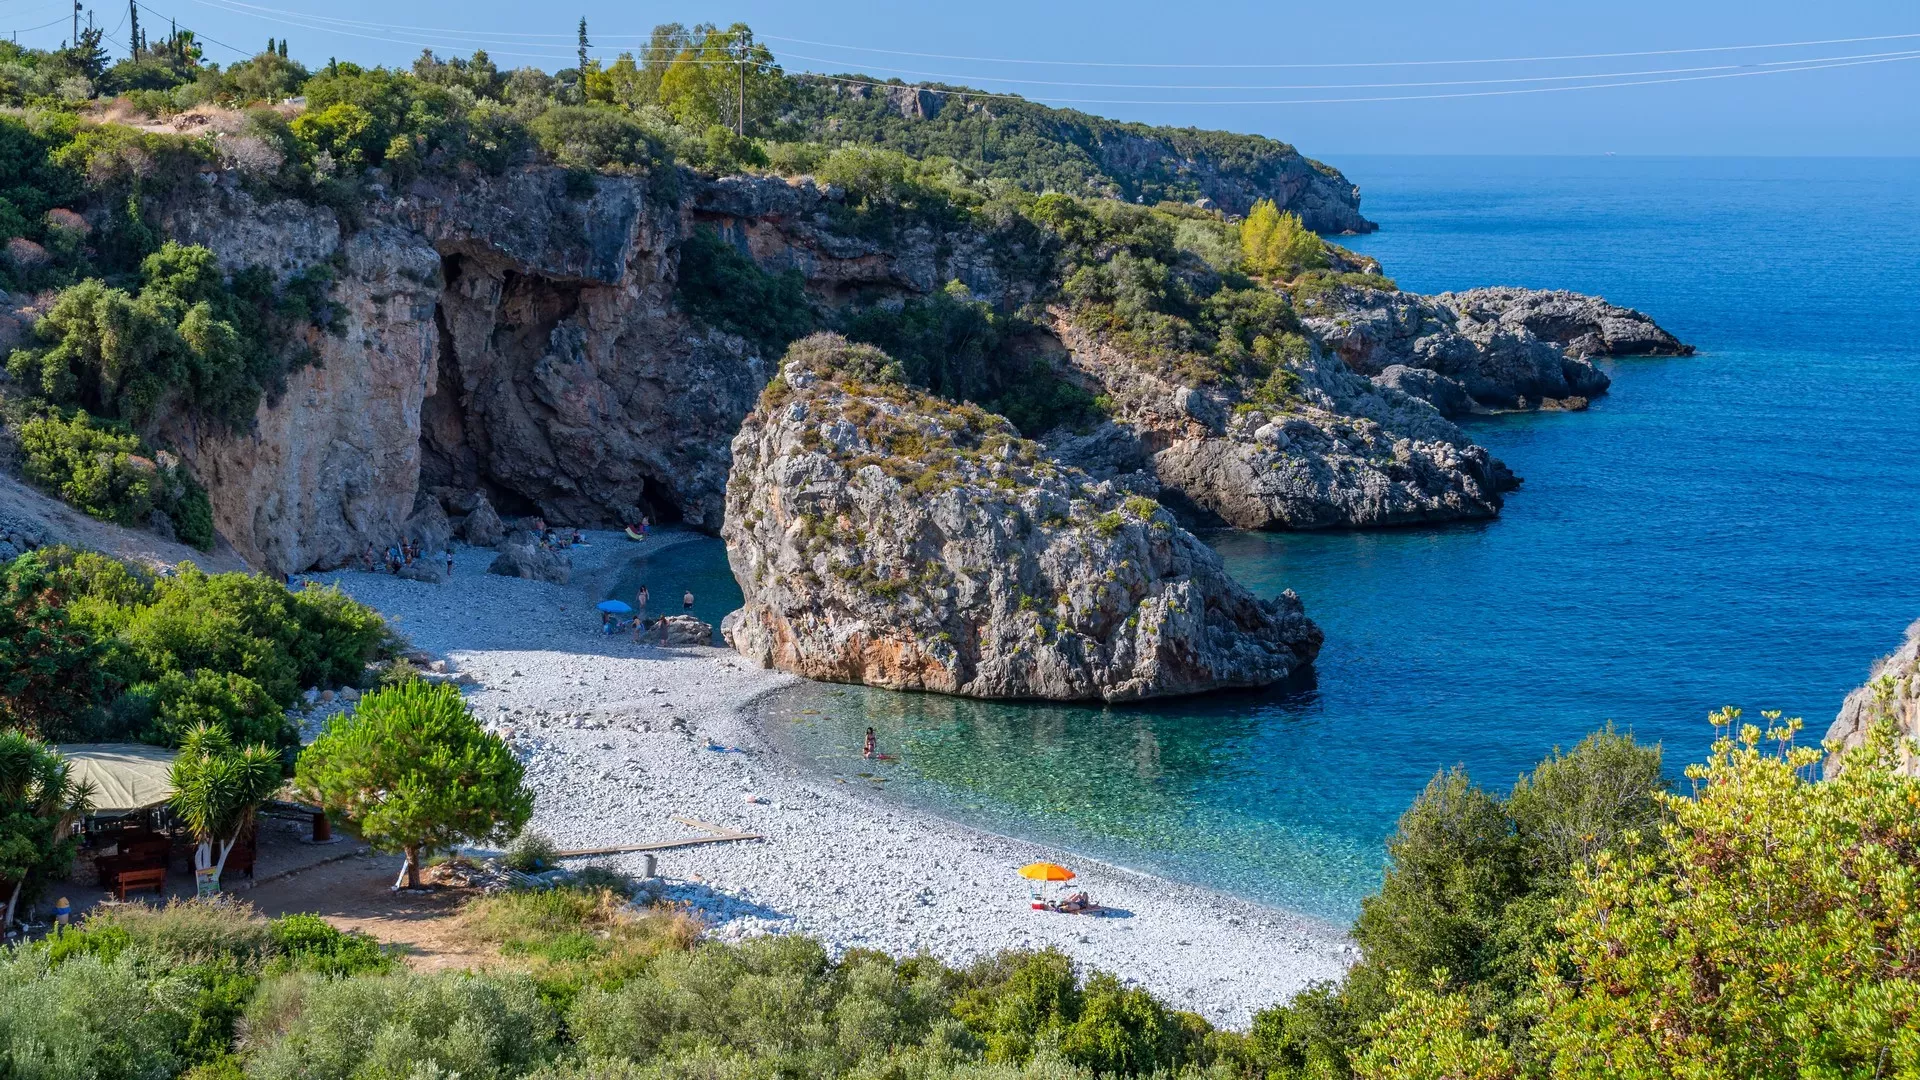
{"x": 125, "y": 776}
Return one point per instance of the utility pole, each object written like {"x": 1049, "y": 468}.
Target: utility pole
{"x": 746, "y": 46}
{"x": 76, "y": 23}
{"x": 133, "y": 29}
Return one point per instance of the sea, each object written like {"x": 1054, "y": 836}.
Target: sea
{"x": 1740, "y": 528}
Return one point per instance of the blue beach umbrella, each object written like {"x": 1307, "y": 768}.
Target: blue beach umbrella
{"x": 615, "y": 607}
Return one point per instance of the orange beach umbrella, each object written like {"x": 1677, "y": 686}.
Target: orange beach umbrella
{"x": 1046, "y": 871}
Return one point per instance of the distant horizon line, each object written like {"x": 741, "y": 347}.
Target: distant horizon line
{"x": 1321, "y": 154}
{"x": 1325, "y": 155}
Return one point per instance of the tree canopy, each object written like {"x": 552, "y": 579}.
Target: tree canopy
{"x": 414, "y": 772}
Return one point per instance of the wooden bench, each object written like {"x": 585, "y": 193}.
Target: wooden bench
{"x": 124, "y": 879}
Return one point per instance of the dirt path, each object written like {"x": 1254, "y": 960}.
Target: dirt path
{"x": 357, "y": 894}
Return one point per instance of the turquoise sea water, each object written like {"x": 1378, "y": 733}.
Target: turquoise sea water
{"x": 1738, "y": 527}
{"x": 698, "y": 566}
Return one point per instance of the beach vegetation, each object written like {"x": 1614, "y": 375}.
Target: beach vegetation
{"x": 39, "y": 802}
{"x": 217, "y": 788}
{"x": 1590, "y": 921}
{"x": 107, "y": 652}
{"x": 414, "y": 772}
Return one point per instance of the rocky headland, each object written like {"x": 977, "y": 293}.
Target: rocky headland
{"x": 1484, "y": 350}
{"x": 1891, "y": 694}
{"x": 887, "y": 537}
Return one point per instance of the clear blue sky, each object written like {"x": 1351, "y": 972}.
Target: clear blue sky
{"x": 1865, "y": 108}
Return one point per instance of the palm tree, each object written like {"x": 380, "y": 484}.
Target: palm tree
{"x": 216, "y": 790}
{"x": 39, "y": 802}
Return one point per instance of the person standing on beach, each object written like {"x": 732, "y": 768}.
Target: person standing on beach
{"x": 639, "y": 611}
{"x": 449, "y": 560}
{"x": 868, "y": 752}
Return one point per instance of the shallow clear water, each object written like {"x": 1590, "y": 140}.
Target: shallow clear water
{"x": 1737, "y": 527}
{"x": 697, "y": 564}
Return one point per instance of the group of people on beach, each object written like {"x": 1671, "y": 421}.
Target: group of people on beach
{"x": 612, "y": 624}
{"x": 401, "y": 555}
{"x": 557, "y": 539}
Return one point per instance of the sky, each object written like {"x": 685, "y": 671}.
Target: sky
{"x": 1244, "y": 66}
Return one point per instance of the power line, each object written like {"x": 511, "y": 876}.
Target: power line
{"x": 1359, "y": 64}
{"x": 963, "y": 79}
{"x": 42, "y": 26}
{"x": 307, "y": 21}
{"x": 1807, "y": 66}
{"x": 197, "y": 36}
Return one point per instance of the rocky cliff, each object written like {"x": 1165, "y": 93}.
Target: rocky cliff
{"x": 520, "y": 337}
{"x": 515, "y": 336}
{"x": 886, "y": 537}
{"x": 1890, "y": 694}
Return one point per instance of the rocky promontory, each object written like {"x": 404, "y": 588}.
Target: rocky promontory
{"x": 1891, "y": 694}
{"x": 1484, "y": 350}
{"x": 885, "y": 536}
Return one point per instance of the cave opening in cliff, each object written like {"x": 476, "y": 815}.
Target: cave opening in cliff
{"x": 537, "y": 403}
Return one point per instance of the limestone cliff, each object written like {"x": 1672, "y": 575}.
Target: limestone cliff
{"x": 520, "y": 336}
{"x": 516, "y": 336}
{"x": 887, "y": 537}
{"x": 1891, "y": 693}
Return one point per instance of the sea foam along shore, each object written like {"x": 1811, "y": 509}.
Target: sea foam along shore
{"x": 616, "y": 737}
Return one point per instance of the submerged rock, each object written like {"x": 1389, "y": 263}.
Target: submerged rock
{"x": 887, "y": 537}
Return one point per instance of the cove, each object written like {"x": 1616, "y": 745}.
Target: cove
{"x": 1730, "y": 528}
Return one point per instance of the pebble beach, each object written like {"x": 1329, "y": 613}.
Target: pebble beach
{"x": 621, "y": 739}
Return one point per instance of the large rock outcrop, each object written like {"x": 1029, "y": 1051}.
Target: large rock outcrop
{"x": 1890, "y": 694}
{"x": 886, "y": 537}
{"x": 1483, "y": 350}
{"x": 1342, "y": 452}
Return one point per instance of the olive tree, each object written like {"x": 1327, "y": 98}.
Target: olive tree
{"x": 414, "y": 772}
{"x": 39, "y": 801}
{"x": 217, "y": 788}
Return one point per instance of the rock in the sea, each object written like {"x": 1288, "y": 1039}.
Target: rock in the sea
{"x": 1584, "y": 326}
{"x": 1508, "y": 348}
{"x": 1892, "y": 694}
{"x": 681, "y": 630}
{"x": 887, "y": 537}
{"x": 523, "y": 557}
{"x": 1339, "y": 452}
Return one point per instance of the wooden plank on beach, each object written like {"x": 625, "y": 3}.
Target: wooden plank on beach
{"x": 715, "y": 835}
{"x": 705, "y": 826}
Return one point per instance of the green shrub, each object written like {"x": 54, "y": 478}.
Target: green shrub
{"x": 51, "y": 680}
{"x": 231, "y": 649}
{"x": 304, "y": 1027}
{"x": 1274, "y": 243}
{"x": 529, "y": 852}
{"x": 89, "y": 1018}
{"x": 310, "y": 943}
{"x": 597, "y": 138}
{"x": 721, "y": 286}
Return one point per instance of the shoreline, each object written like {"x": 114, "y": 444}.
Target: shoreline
{"x": 616, "y": 738}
